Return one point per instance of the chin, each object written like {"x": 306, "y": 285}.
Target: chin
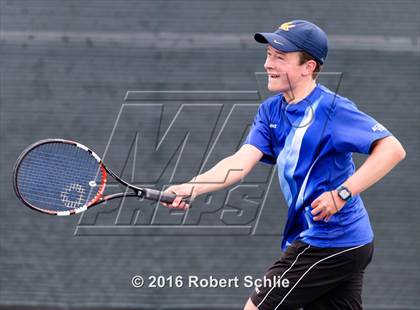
{"x": 275, "y": 88}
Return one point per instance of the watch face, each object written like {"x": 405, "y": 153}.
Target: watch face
{"x": 344, "y": 194}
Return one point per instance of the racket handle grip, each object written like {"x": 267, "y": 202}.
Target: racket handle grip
{"x": 156, "y": 195}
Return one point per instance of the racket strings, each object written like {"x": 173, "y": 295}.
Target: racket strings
{"x": 59, "y": 177}
{"x": 33, "y": 173}
{"x": 48, "y": 195}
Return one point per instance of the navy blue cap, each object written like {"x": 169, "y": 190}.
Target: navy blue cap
{"x": 297, "y": 35}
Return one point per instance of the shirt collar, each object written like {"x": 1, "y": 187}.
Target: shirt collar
{"x": 302, "y": 104}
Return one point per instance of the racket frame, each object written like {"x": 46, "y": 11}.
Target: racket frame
{"x": 99, "y": 198}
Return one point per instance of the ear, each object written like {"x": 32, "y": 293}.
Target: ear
{"x": 309, "y": 67}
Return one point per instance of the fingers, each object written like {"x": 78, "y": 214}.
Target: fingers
{"x": 327, "y": 218}
{"x": 322, "y": 213}
{"x": 317, "y": 210}
{"x": 316, "y": 202}
{"x": 164, "y": 204}
{"x": 178, "y": 203}
{"x": 323, "y": 208}
{"x": 181, "y": 206}
{"x": 321, "y": 217}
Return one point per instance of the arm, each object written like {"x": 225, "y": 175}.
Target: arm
{"x": 228, "y": 171}
{"x": 386, "y": 154}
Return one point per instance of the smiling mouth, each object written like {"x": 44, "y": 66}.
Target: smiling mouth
{"x": 274, "y": 76}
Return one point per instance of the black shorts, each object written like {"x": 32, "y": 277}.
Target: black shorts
{"x": 314, "y": 278}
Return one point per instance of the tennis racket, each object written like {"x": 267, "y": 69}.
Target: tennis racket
{"x": 62, "y": 177}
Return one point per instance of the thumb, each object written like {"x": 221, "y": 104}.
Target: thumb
{"x": 177, "y": 201}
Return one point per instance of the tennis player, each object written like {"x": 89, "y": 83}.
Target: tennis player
{"x": 310, "y": 133}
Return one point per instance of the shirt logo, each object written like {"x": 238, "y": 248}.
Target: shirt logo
{"x": 273, "y": 125}
{"x": 378, "y": 127}
{"x": 287, "y": 26}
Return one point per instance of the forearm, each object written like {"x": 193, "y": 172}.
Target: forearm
{"x": 386, "y": 154}
{"x": 227, "y": 172}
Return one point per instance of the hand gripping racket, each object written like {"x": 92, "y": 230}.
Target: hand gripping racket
{"x": 61, "y": 177}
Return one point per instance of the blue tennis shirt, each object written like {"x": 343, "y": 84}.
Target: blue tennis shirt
{"x": 312, "y": 143}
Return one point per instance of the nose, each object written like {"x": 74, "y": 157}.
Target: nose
{"x": 268, "y": 64}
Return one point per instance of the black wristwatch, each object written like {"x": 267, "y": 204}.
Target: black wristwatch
{"x": 344, "y": 193}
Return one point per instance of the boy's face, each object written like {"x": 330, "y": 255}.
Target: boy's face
{"x": 283, "y": 69}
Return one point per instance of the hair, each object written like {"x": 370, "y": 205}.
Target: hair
{"x": 304, "y": 57}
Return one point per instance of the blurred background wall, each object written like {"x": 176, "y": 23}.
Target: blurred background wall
{"x": 66, "y": 67}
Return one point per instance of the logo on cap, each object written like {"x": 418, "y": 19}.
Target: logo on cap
{"x": 286, "y": 26}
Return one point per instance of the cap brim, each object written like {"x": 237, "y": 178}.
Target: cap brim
{"x": 277, "y": 41}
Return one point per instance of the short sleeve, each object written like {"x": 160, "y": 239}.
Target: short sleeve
{"x": 260, "y": 136}
{"x": 353, "y": 130}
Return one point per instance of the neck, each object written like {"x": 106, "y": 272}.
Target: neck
{"x": 299, "y": 92}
